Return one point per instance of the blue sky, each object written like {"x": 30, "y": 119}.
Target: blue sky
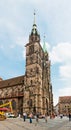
{"x": 53, "y": 18}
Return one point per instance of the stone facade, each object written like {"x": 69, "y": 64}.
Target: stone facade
{"x": 65, "y": 105}
{"x": 13, "y": 90}
{"x": 32, "y": 91}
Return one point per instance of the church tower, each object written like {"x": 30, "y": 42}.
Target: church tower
{"x": 46, "y": 82}
{"x": 34, "y": 70}
{"x": 36, "y": 76}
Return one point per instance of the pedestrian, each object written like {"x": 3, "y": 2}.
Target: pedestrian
{"x": 19, "y": 115}
{"x": 69, "y": 116}
{"x": 46, "y": 117}
{"x": 61, "y": 116}
{"x": 30, "y": 116}
{"x": 36, "y": 117}
{"x": 24, "y": 116}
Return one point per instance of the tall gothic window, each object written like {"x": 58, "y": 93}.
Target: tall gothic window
{"x": 30, "y": 102}
{"x": 31, "y": 49}
{"x": 14, "y": 104}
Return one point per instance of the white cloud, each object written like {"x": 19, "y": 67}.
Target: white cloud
{"x": 22, "y": 41}
{"x": 55, "y": 99}
{"x": 61, "y": 53}
{"x": 65, "y": 71}
{"x": 65, "y": 91}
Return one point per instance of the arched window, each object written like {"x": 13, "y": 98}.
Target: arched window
{"x": 14, "y": 104}
{"x": 30, "y": 102}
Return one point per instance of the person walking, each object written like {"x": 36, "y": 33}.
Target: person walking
{"x": 46, "y": 117}
{"x": 61, "y": 116}
{"x": 69, "y": 116}
{"x": 37, "y": 120}
{"x": 24, "y": 116}
{"x": 30, "y": 116}
{"x": 37, "y": 117}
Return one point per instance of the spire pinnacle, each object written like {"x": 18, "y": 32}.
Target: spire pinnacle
{"x": 34, "y": 16}
{"x": 44, "y": 45}
{"x": 44, "y": 38}
{"x": 34, "y": 36}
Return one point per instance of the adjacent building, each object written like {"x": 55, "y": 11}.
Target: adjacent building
{"x": 31, "y": 92}
{"x": 65, "y": 105}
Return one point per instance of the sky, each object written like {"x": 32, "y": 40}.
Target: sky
{"x": 53, "y": 18}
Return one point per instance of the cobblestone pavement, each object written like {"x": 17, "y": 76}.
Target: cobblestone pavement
{"x": 19, "y": 124}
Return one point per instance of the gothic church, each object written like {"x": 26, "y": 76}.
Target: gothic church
{"x": 31, "y": 92}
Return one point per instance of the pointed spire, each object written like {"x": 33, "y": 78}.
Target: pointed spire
{"x": 34, "y": 16}
{"x": 34, "y": 28}
{"x": 44, "y": 45}
{"x": 34, "y": 36}
{"x": 34, "y": 24}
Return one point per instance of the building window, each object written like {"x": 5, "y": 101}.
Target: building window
{"x": 31, "y": 82}
{"x": 31, "y": 49}
{"x": 14, "y": 104}
{"x": 30, "y": 102}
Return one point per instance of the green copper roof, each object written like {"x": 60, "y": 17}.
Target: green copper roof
{"x": 34, "y": 30}
{"x": 44, "y": 46}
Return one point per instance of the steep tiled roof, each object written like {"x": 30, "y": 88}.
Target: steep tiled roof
{"x": 65, "y": 99}
{"x": 12, "y": 81}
